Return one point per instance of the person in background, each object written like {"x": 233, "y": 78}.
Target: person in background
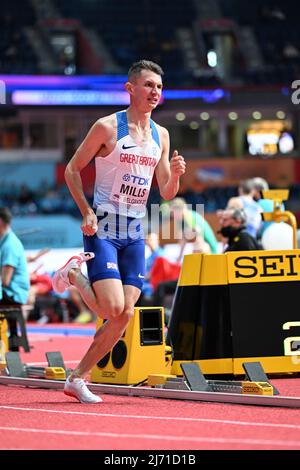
{"x": 267, "y": 205}
{"x": 14, "y": 285}
{"x": 245, "y": 200}
{"x": 233, "y": 228}
{"x": 152, "y": 241}
{"x": 40, "y": 284}
{"x": 196, "y": 228}
{"x": 273, "y": 235}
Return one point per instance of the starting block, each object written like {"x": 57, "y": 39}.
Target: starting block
{"x": 159, "y": 379}
{"x": 255, "y": 373}
{"x": 255, "y": 383}
{"x": 162, "y": 386}
{"x": 15, "y": 368}
{"x": 55, "y": 359}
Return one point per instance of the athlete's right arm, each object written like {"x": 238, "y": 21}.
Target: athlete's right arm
{"x": 95, "y": 139}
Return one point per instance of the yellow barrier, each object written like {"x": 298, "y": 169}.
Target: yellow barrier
{"x": 237, "y": 307}
{"x": 140, "y": 352}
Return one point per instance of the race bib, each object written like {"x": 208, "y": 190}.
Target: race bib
{"x": 130, "y": 189}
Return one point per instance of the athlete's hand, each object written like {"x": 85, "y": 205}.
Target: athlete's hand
{"x": 89, "y": 224}
{"x": 177, "y": 164}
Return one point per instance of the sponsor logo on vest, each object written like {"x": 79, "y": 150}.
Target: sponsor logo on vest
{"x": 136, "y": 179}
{"x": 125, "y": 147}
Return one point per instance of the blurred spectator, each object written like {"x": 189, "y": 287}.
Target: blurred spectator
{"x": 56, "y": 200}
{"x": 14, "y": 285}
{"x": 252, "y": 209}
{"x": 165, "y": 273}
{"x": 164, "y": 278}
{"x": 194, "y": 225}
{"x": 200, "y": 245}
{"x": 193, "y": 228}
{"x": 25, "y": 195}
{"x": 152, "y": 241}
{"x": 267, "y": 205}
{"x": 40, "y": 284}
{"x": 259, "y": 185}
{"x": 25, "y": 201}
{"x": 164, "y": 270}
{"x": 233, "y": 229}
{"x": 51, "y": 202}
{"x": 273, "y": 235}
{"x": 48, "y": 306}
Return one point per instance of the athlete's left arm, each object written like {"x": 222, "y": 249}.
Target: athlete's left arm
{"x": 168, "y": 172}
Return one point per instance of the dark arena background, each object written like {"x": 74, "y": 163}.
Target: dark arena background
{"x": 211, "y": 359}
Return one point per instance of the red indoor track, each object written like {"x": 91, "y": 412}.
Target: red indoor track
{"x": 47, "y": 419}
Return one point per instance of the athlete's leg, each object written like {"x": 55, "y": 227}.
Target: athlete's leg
{"x": 103, "y": 266}
{"x": 116, "y": 302}
{"x": 112, "y": 330}
{"x": 108, "y": 298}
{"x": 109, "y": 294}
{"x": 87, "y": 292}
{"x": 112, "y": 301}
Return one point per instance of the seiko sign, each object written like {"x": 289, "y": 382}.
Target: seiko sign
{"x": 263, "y": 266}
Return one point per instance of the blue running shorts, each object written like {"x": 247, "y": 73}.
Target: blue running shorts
{"x": 119, "y": 248}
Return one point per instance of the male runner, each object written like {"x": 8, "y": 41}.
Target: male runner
{"x": 128, "y": 148}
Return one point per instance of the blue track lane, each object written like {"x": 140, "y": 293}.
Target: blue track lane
{"x": 61, "y": 330}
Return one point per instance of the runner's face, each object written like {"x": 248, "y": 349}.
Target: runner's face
{"x": 147, "y": 89}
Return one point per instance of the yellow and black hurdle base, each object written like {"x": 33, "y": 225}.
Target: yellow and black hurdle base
{"x": 237, "y": 307}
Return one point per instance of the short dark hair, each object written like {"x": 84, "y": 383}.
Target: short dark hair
{"x": 136, "y": 68}
{"x": 5, "y": 215}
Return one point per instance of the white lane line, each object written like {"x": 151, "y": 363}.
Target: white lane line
{"x": 75, "y": 361}
{"x": 163, "y": 437}
{"x": 166, "y": 418}
{"x": 17, "y": 448}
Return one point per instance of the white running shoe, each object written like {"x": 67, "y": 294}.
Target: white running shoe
{"x": 60, "y": 280}
{"x": 78, "y": 389}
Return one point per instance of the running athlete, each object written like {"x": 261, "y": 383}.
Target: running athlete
{"x": 128, "y": 148}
